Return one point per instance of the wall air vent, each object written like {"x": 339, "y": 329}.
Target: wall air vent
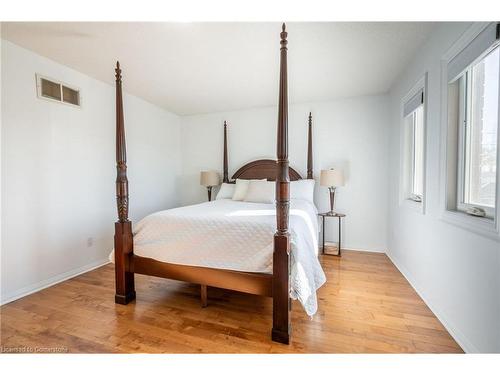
{"x": 53, "y": 90}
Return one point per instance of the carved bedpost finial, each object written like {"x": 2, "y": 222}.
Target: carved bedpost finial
{"x": 283, "y": 36}
{"x": 118, "y": 72}
{"x": 309, "y": 149}
{"x": 225, "y": 177}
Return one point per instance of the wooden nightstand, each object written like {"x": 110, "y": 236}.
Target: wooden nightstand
{"x": 339, "y": 244}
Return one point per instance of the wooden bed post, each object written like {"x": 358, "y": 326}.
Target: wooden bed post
{"x": 225, "y": 175}
{"x": 309, "y": 149}
{"x": 125, "y": 289}
{"x": 281, "y": 298}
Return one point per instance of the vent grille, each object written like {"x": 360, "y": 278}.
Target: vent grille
{"x": 71, "y": 96}
{"x": 53, "y": 90}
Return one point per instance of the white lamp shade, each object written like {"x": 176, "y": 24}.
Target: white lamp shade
{"x": 331, "y": 177}
{"x": 209, "y": 178}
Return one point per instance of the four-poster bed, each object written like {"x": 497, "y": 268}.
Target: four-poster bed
{"x": 275, "y": 284}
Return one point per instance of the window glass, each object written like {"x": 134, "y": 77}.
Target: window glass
{"x": 418, "y": 151}
{"x": 481, "y": 131}
{"x": 413, "y": 161}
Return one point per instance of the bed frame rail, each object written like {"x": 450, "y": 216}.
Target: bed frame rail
{"x": 247, "y": 282}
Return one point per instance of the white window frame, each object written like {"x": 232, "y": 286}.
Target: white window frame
{"x": 412, "y": 193}
{"x": 405, "y": 200}
{"x": 39, "y": 78}
{"x": 465, "y": 95}
{"x": 484, "y": 226}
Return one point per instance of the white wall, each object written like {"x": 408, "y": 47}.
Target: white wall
{"x": 350, "y": 133}
{"x": 1, "y": 141}
{"x": 455, "y": 270}
{"x": 58, "y": 171}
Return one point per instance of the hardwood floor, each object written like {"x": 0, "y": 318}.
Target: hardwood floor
{"x": 366, "y": 307}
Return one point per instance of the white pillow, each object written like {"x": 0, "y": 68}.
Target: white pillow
{"x": 261, "y": 192}
{"x": 302, "y": 189}
{"x": 241, "y": 189}
{"x": 226, "y": 191}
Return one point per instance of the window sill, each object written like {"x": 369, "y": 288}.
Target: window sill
{"x": 483, "y": 226}
{"x": 413, "y": 205}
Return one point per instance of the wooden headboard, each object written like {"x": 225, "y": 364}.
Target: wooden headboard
{"x": 263, "y": 168}
{"x": 267, "y": 168}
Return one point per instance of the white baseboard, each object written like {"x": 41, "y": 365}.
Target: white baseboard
{"x": 457, "y": 335}
{"x": 365, "y": 250}
{"x": 30, "y": 289}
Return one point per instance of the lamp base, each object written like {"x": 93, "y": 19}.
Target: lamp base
{"x": 332, "y": 199}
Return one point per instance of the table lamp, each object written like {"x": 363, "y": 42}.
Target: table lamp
{"x": 209, "y": 179}
{"x": 332, "y": 178}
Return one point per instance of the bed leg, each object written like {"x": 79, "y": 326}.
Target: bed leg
{"x": 125, "y": 286}
{"x": 281, "y": 298}
{"x": 204, "y": 296}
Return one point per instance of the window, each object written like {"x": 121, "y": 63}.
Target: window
{"x": 57, "y": 91}
{"x": 413, "y": 144}
{"x": 478, "y": 136}
{"x": 473, "y": 121}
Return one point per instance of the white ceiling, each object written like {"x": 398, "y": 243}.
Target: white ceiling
{"x": 191, "y": 68}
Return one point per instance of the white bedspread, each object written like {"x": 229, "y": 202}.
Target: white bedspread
{"x": 238, "y": 236}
